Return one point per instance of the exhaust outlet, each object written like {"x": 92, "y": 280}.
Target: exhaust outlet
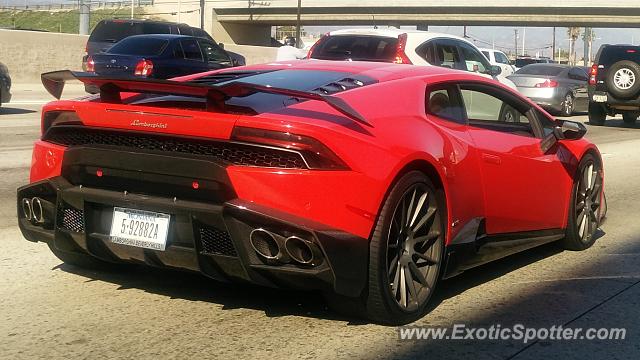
{"x": 26, "y": 209}
{"x": 300, "y": 250}
{"x": 265, "y": 244}
{"x": 42, "y": 210}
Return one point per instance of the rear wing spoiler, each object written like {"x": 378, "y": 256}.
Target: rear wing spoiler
{"x": 216, "y": 96}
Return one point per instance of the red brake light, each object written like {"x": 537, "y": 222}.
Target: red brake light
{"x": 91, "y": 64}
{"x": 593, "y": 74}
{"x": 547, "y": 84}
{"x": 144, "y": 68}
{"x": 401, "y": 57}
{"x": 321, "y": 40}
{"x": 316, "y": 154}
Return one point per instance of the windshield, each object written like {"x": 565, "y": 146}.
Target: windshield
{"x": 140, "y": 46}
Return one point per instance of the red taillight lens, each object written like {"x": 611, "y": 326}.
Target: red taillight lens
{"x": 59, "y": 117}
{"x": 316, "y": 154}
{"x": 593, "y": 74}
{"x": 144, "y": 68}
{"x": 547, "y": 84}
{"x": 401, "y": 56}
{"x": 91, "y": 64}
{"x": 320, "y": 41}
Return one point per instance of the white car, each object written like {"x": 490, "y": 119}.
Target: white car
{"x": 497, "y": 57}
{"x": 406, "y": 47}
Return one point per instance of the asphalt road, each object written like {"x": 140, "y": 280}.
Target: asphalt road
{"x": 52, "y": 310}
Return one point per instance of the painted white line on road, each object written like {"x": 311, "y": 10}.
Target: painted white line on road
{"x": 31, "y": 102}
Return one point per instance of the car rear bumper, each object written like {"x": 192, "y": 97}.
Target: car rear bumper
{"x": 612, "y": 102}
{"x": 203, "y": 237}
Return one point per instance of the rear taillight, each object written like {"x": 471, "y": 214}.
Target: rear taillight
{"x": 316, "y": 155}
{"x": 59, "y": 117}
{"x": 91, "y": 64}
{"x": 320, "y": 41}
{"x": 401, "y": 56}
{"x": 547, "y": 84}
{"x": 144, "y": 68}
{"x": 593, "y": 74}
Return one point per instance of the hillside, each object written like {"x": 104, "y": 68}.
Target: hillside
{"x": 58, "y": 21}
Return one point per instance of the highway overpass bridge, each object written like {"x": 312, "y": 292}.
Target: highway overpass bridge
{"x": 249, "y": 21}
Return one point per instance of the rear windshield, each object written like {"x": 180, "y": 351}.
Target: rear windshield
{"x": 357, "y": 47}
{"x": 114, "y": 31}
{"x": 525, "y": 62}
{"x": 545, "y": 70}
{"x": 140, "y": 46}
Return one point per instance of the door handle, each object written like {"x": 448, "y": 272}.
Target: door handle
{"x": 492, "y": 159}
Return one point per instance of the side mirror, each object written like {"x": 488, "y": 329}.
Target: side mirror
{"x": 566, "y": 130}
{"x": 494, "y": 70}
{"x": 221, "y": 45}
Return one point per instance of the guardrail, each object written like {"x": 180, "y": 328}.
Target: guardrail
{"x": 74, "y": 6}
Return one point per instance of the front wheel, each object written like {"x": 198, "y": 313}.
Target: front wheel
{"x": 585, "y": 208}
{"x": 597, "y": 114}
{"x": 406, "y": 251}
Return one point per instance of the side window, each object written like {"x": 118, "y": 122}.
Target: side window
{"x": 447, "y": 56}
{"x": 486, "y": 53}
{"x": 444, "y": 102}
{"x": 489, "y": 110}
{"x": 178, "y": 53}
{"x": 427, "y": 52}
{"x": 213, "y": 53}
{"x": 191, "y": 49}
{"x": 501, "y": 58}
{"x": 473, "y": 59}
{"x": 546, "y": 123}
{"x": 578, "y": 74}
{"x": 185, "y": 30}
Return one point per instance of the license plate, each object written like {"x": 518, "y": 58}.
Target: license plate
{"x": 599, "y": 98}
{"x": 139, "y": 228}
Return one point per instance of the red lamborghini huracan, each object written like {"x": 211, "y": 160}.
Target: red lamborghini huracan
{"x": 367, "y": 181}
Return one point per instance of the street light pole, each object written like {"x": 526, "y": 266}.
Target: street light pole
{"x": 298, "y": 24}
{"x": 132, "y": 5}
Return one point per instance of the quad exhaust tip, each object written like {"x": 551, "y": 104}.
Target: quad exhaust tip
{"x": 265, "y": 244}
{"x": 27, "y": 211}
{"x": 300, "y": 250}
{"x": 37, "y": 210}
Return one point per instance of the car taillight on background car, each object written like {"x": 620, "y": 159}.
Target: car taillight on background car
{"x": 547, "y": 84}
{"x": 91, "y": 65}
{"x": 144, "y": 68}
{"x": 316, "y": 154}
{"x": 401, "y": 56}
{"x": 593, "y": 74}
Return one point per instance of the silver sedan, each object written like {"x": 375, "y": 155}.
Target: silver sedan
{"x": 560, "y": 89}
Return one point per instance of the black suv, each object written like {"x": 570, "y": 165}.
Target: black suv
{"x": 614, "y": 84}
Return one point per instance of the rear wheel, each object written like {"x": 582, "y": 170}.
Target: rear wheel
{"x": 629, "y": 118}
{"x": 623, "y": 79}
{"x": 567, "y": 105}
{"x": 406, "y": 251}
{"x": 597, "y": 114}
{"x": 585, "y": 206}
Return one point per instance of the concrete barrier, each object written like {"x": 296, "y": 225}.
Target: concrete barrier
{"x": 27, "y": 54}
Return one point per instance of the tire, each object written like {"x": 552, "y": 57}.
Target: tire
{"x": 629, "y": 118}
{"x": 416, "y": 203}
{"x": 585, "y": 207}
{"x": 623, "y": 79}
{"x": 567, "y": 105}
{"x": 597, "y": 114}
{"x": 85, "y": 261}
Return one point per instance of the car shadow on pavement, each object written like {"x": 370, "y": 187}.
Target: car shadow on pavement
{"x": 14, "y": 111}
{"x": 282, "y": 302}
